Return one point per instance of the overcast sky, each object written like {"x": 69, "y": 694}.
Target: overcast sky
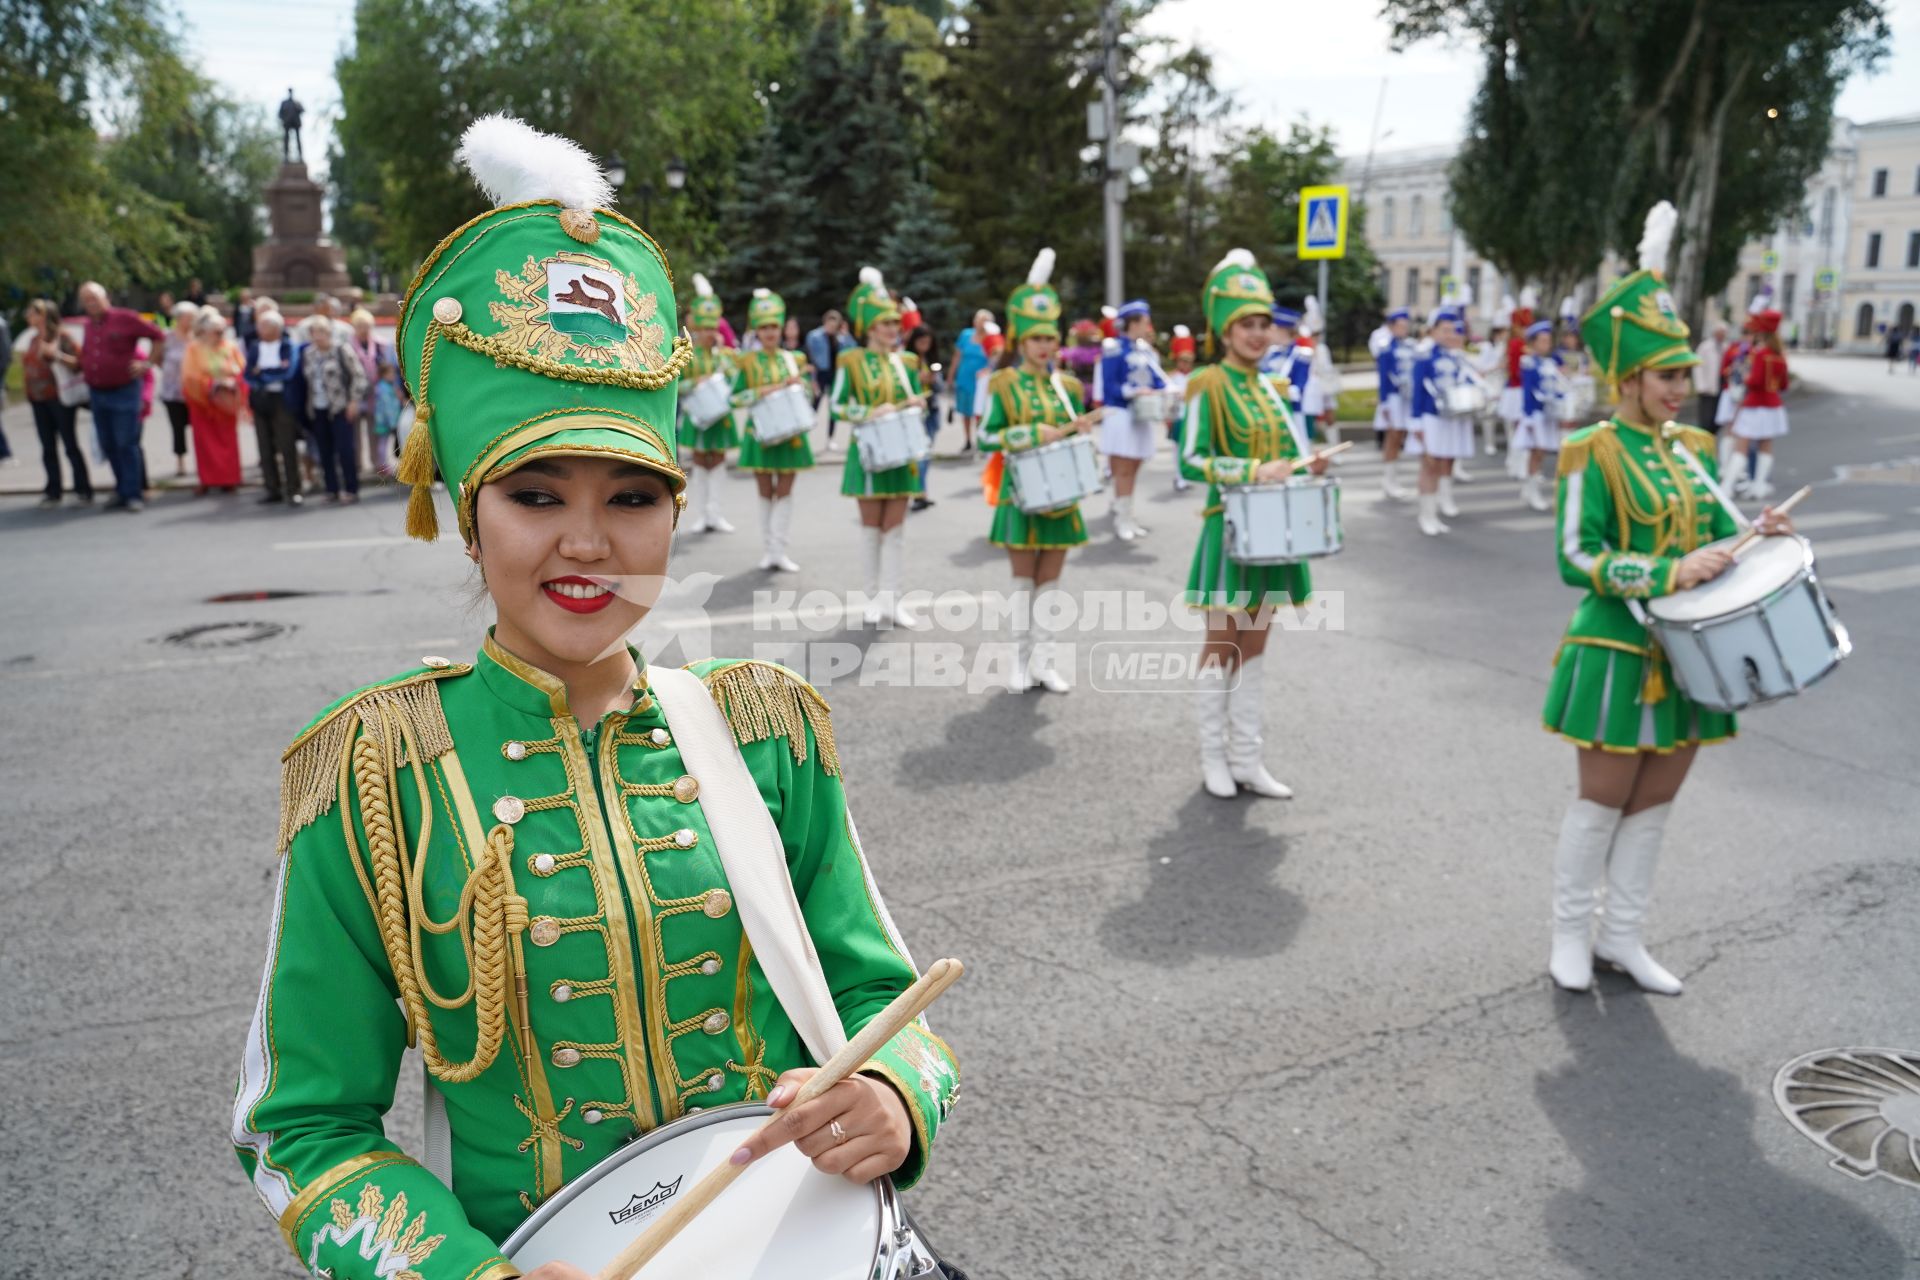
{"x": 1280, "y": 58}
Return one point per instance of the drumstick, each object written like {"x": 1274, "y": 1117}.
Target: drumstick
{"x": 1753, "y": 535}
{"x": 906, "y": 1006}
{"x": 1324, "y": 454}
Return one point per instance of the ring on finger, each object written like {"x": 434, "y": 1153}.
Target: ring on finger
{"x": 839, "y": 1133}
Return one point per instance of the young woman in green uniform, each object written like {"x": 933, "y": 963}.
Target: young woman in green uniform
{"x": 756, "y": 374}
{"x": 1027, "y": 405}
{"x": 1237, "y": 431}
{"x": 1635, "y": 521}
{"x": 505, "y": 861}
{"x": 708, "y": 445}
{"x": 865, "y": 379}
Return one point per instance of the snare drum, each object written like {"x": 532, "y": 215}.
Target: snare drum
{"x": 1761, "y": 631}
{"x": 781, "y": 415}
{"x": 781, "y": 1220}
{"x": 1049, "y": 477}
{"x": 891, "y": 439}
{"x": 1153, "y": 406}
{"x": 1281, "y": 523}
{"x": 707, "y": 401}
{"x": 1465, "y": 399}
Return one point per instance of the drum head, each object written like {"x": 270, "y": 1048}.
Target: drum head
{"x": 781, "y": 1218}
{"x": 1764, "y": 568}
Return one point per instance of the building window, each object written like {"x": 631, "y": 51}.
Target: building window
{"x": 1473, "y": 287}
{"x": 1386, "y": 222}
{"x": 1873, "y": 249}
{"x": 1826, "y": 216}
{"x": 1863, "y": 321}
{"x": 1416, "y": 217}
{"x": 1786, "y": 292}
{"x": 1879, "y": 182}
{"x": 1386, "y": 286}
{"x": 1446, "y": 218}
{"x": 1413, "y": 286}
{"x": 1913, "y": 249}
{"x": 1753, "y": 287}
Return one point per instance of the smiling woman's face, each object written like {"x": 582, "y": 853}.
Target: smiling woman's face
{"x": 574, "y": 552}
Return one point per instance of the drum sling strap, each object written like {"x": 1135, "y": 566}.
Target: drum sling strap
{"x": 1635, "y": 607}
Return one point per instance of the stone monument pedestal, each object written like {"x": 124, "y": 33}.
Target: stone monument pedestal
{"x": 296, "y": 256}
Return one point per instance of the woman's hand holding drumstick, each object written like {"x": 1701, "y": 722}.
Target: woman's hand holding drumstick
{"x": 793, "y": 1121}
{"x": 1773, "y": 520}
{"x": 1276, "y": 470}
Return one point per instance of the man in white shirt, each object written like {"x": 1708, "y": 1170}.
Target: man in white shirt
{"x": 1706, "y": 374}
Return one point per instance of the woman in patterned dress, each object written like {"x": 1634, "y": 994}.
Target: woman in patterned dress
{"x": 756, "y": 374}
{"x": 878, "y": 376}
{"x": 1636, "y": 520}
{"x": 1028, "y": 405}
{"x": 1238, "y": 431}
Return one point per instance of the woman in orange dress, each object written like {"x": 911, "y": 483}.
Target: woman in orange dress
{"x": 211, "y": 380}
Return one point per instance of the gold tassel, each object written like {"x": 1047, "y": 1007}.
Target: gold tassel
{"x": 416, "y": 458}
{"x": 762, "y": 700}
{"x": 1654, "y": 688}
{"x": 422, "y": 523}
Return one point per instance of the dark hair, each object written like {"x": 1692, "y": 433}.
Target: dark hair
{"x": 919, "y": 332}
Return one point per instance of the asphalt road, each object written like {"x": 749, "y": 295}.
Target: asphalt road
{"x": 1308, "y": 1039}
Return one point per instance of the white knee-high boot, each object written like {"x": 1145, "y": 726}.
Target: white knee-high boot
{"x": 1762, "y": 475}
{"x": 695, "y": 512}
{"x": 766, "y": 533}
{"x": 711, "y": 481}
{"x": 1579, "y": 865}
{"x": 870, "y": 538}
{"x": 1210, "y": 692}
{"x": 1244, "y": 717}
{"x": 1630, "y": 867}
{"x": 780, "y": 525}
{"x": 1043, "y": 667}
{"x": 1447, "y": 507}
{"x": 893, "y": 555}
{"x": 1020, "y": 604}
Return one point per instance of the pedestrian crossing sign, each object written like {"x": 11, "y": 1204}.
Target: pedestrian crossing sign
{"x": 1323, "y": 222}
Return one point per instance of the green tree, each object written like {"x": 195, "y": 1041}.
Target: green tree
{"x": 1724, "y": 108}
{"x": 1169, "y": 220}
{"x": 1014, "y": 168}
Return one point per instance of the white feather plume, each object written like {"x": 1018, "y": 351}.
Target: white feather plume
{"x": 1464, "y": 295}
{"x": 1110, "y": 313}
{"x": 872, "y": 276}
{"x": 1042, "y": 269}
{"x": 1507, "y": 304}
{"x": 1313, "y": 317}
{"x": 1568, "y": 308}
{"x": 763, "y": 293}
{"x": 513, "y": 162}
{"x": 1234, "y": 258}
{"x": 1761, "y": 300}
{"x": 1181, "y": 331}
{"x": 702, "y": 287}
{"x": 1657, "y": 239}
{"x": 1529, "y": 298}
{"x": 907, "y": 304}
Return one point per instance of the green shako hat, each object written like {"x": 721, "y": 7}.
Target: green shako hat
{"x": 544, "y": 326}
{"x": 1236, "y": 287}
{"x": 1033, "y": 310}
{"x": 704, "y": 311}
{"x": 767, "y": 307}
{"x": 1635, "y": 325}
{"x": 870, "y": 303}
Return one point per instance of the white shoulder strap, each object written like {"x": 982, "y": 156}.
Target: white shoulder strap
{"x": 754, "y": 857}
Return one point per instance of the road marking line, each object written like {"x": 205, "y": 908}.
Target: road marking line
{"x": 1834, "y": 519}
{"x": 1878, "y": 580}
{"x": 1523, "y": 524}
{"x": 1868, "y": 545}
{"x": 329, "y": 544}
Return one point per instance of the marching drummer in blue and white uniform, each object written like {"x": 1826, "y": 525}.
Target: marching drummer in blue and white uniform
{"x": 1542, "y": 391}
{"x": 1445, "y": 432}
{"x": 1394, "y": 363}
{"x": 1129, "y": 367}
{"x": 1287, "y": 362}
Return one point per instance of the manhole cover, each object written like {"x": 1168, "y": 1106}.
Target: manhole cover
{"x": 1863, "y": 1105}
{"x": 226, "y": 635}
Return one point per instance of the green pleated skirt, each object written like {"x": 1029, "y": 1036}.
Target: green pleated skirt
{"x": 1594, "y": 700}
{"x": 1216, "y": 582}
{"x": 794, "y": 454}
{"x": 858, "y": 482}
{"x": 1016, "y": 530}
{"x": 717, "y": 438}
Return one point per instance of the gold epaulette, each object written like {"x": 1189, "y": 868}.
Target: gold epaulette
{"x": 765, "y": 700}
{"x": 849, "y": 358}
{"x": 911, "y": 359}
{"x": 1700, "y": 442}
{"x": 1205, "y": 380}
{"x": 310, "y": 767}
{"x": 1000, "y": 380}
{"x": 1580, "y": 448}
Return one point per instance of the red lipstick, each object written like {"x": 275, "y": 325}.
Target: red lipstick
{"x": 576, "y": 594}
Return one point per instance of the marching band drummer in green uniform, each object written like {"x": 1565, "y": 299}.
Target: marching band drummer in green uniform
{"x": 1634, "y": 523}
{"x": 1027, "y": 405}
{"x": 1237, "y": 431}
{"x": 878, "y": 376}
{"x": 708, "y": 445}
{"x": 756, "y": 374}
{"x": 504, "y": 861}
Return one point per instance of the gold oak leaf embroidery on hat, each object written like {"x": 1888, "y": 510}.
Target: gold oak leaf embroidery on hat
{"x": 573, "y": 304}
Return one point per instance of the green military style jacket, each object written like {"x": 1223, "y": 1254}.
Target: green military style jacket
{"x": 539, "y": 906}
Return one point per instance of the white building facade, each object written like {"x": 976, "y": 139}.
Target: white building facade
{"x": 1411, "y": 231}
{"x": 1880, "y": 279}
